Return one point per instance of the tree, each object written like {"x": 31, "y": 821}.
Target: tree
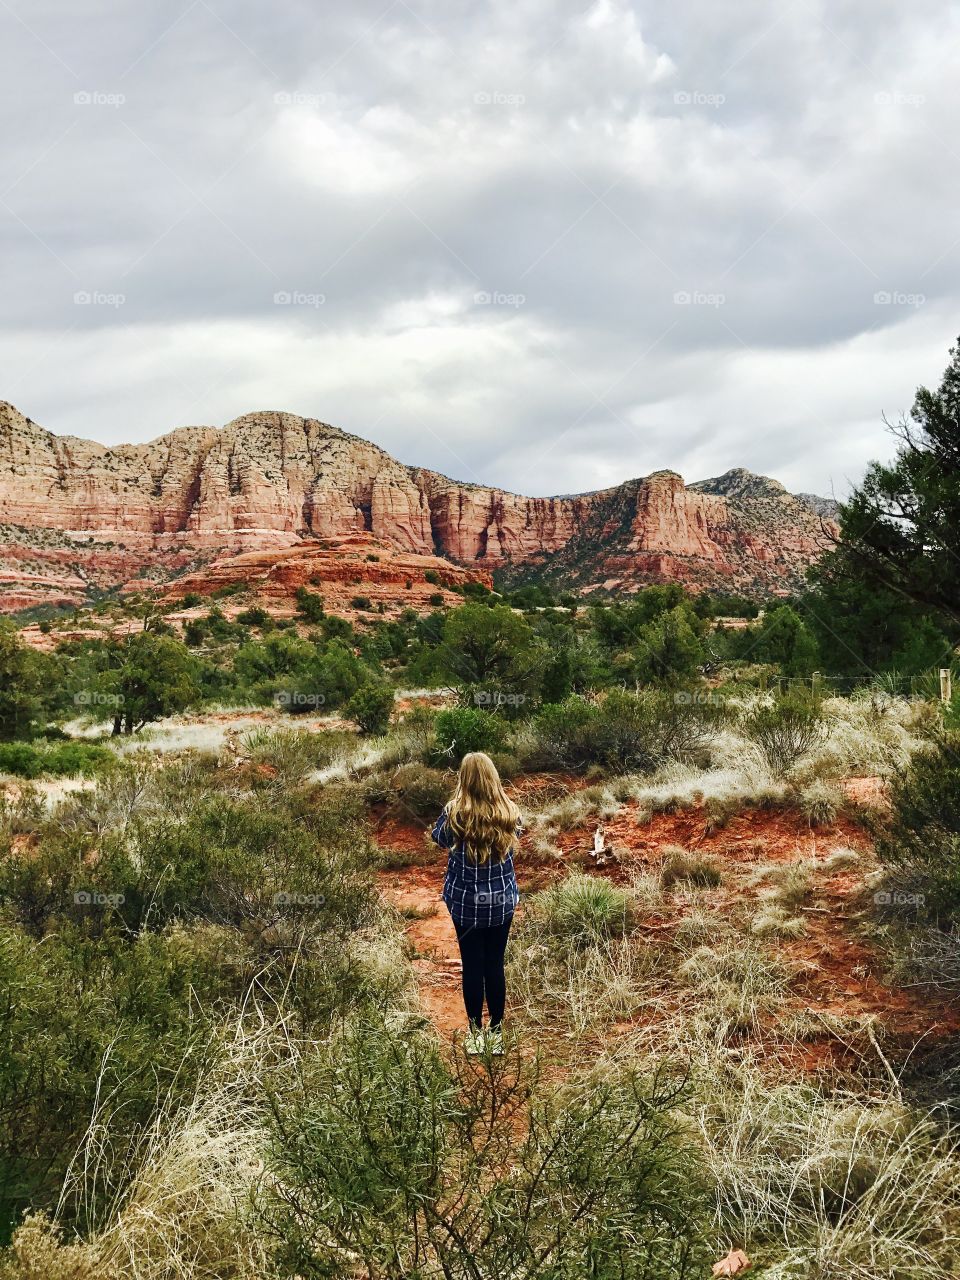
{"x": 900, "y": 530}
{"x": 481, "y": 646}
{"x": 781, "y": 637}
{"x": 149, "y": 676}
{"x": 371, "y": 707}
{"x": 863, "y": 628}
{"x": 669, "y": 647}
{"x": 21, "y": 679}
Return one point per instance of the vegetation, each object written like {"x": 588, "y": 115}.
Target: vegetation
{"x": 215, "y": 1063}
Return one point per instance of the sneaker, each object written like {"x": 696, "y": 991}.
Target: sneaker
{"x": 474, "y": 1043}
{"x": 495, "y": 1041}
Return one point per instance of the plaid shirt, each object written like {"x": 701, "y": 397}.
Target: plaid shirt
{"x": 481, "y": 894}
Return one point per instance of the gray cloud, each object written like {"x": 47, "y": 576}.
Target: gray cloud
{"x": 538, "y": 244}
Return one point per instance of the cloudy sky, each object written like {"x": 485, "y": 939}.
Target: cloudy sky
{"x": 541, "y": 244}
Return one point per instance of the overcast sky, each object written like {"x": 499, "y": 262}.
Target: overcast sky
{"x": 540, "y": 244}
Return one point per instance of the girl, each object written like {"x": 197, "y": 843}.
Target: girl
{"x": 479, "y": 827}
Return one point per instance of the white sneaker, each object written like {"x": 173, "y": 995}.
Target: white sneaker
{"x": 495, "y": 1042}
{"x": 474, "y": 1043}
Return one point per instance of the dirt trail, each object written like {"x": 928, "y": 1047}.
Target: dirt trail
{"x": 415, "y": 891}
{"x": 838, "y": 975}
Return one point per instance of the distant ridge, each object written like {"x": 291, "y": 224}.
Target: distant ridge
{"x": 77, "y": 517}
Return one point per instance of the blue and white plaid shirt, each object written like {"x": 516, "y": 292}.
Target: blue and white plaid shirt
{"x": 484, "y": 894}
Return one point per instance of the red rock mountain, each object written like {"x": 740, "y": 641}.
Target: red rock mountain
{"x": 76, "y": 516}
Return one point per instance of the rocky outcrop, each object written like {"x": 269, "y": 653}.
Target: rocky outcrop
{"x": 75, "y": 515}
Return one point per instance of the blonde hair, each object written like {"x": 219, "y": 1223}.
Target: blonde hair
{"x": 480, "y": 813}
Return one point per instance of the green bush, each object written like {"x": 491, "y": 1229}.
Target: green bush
{"x": 786, "y": 728}
{"x": 627, "y": 731}
{"x": 420, "y": 791}
{"x": 592, "y": 1179}
{"x": 919, "y": 839}
{"x": 460, "y": 730}
{"x": 64, "y": 760}
{"x": 580, "y": 910}
{"x": 20, "y": 759}
{"x": 371, "y": 706}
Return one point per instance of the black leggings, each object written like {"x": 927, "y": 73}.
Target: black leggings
{"x": 482, "y": 952}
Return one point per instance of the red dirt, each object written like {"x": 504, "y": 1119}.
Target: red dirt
{"x": 837, "y": 973}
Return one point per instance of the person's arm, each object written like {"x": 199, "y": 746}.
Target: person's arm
{"x": 441, "y": 832}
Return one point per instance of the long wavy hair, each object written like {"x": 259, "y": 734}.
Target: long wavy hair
{"x": 480, "y": 813}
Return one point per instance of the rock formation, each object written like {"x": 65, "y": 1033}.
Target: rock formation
{"x": 76, "y": 516}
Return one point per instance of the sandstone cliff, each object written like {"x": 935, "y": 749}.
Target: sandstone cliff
{"x": 76, "y": 516}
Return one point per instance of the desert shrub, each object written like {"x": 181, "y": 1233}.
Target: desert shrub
{"x": 292, "y": 754}
{"x": 680, "y": 865}
{"x": 21, "y": 759}
{"x": 460, "y": 730}
{"x": 310, "y": 605}
{"x": 772, "y": 921}
{"x": 387, "y": 1161}
{"x": 820, "y": 802}
{"x": 255, "y": 616}
{"x": 61, "y": 760}
{"x": 828, "y": 1184}
{"x": 565, "y": 735}
{"x": 78, "y": 1016}
{"x": 786, "y": 728}
{"x": 626, "y": 731}
{"x": 419, "y": 790}
{"x": 581, "y": 909}
{"x": 371, "y": 706}
{"x": 735, "y": 984}
{"x": 412, "y": 737}
{"x": 507, "y": 765}
{"x": 918, "y": 840}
